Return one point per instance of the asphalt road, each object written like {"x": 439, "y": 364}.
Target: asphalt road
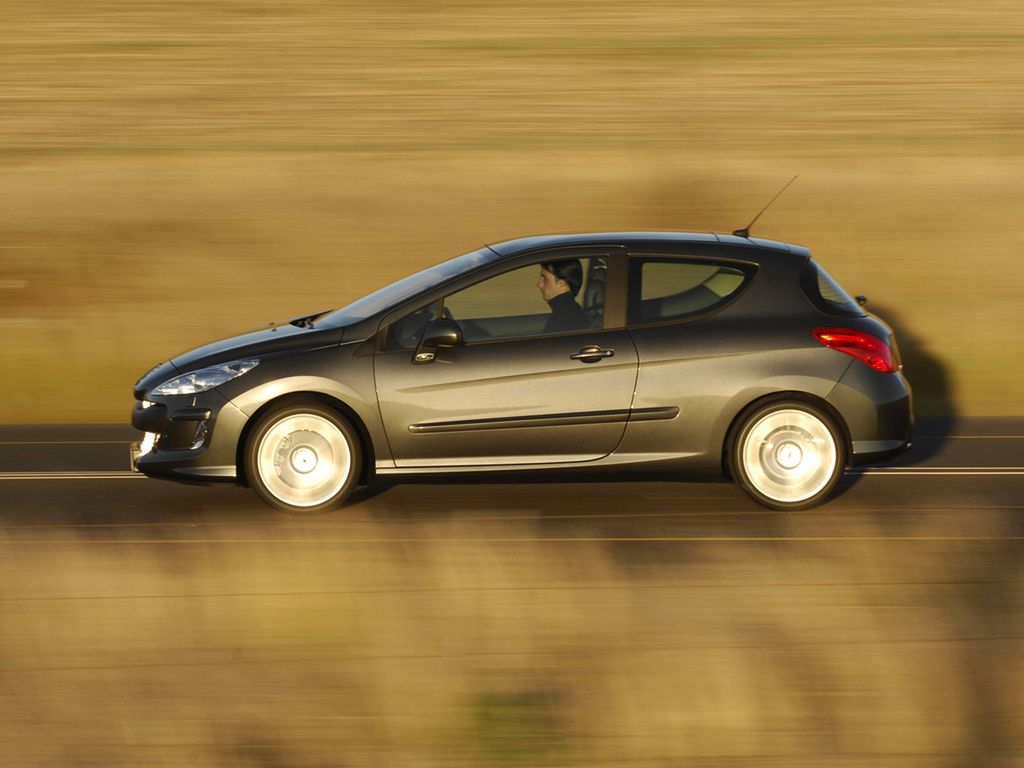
{"x": 529, "y": 622}
{"x": 53, "y": 473}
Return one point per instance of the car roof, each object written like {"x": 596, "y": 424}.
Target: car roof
{"x": 645, "y": 239}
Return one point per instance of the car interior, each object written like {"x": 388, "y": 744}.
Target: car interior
{"x": 506, "y": 293}
{"x": 701, "y": 287}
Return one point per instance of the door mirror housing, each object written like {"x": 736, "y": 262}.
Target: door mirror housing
{"x": 440, "y": 333}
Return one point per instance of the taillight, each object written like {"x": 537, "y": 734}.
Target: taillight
{"x": 870, "y": 350}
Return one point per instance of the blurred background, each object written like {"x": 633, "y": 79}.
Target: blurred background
{"x": 172, "y": 173}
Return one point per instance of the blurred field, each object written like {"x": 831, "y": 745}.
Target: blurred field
{"x": 517, "y": 625}
{"x": 176, "y": 172}
{"x": 173, "y": 173}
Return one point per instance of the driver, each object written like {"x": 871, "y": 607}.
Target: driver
{"x": 559, "y": 282}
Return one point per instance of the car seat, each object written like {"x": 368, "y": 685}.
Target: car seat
{"x": 593, "y": 294}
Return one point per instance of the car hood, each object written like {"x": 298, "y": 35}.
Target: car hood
{"x": 266, "y": 341}
{"x": 276, "y": 338}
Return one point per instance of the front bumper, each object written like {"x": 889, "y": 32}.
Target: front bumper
{"x": 195, "y": 440}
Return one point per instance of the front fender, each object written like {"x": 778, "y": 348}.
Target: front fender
{"x": 333, "y": 374}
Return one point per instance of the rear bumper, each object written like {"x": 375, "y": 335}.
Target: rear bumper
{"x": 878, "y": 411}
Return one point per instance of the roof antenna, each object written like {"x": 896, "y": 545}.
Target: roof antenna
{"x": 745, "y": 232}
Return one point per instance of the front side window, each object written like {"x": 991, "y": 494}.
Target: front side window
{"x": 668, "y": 289}
{"x": 561, "y": 295}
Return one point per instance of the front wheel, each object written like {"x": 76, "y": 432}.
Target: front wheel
{"x": 303, "y": 458}
{"x": 788, "y": 455}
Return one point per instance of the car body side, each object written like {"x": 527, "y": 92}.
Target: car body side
{"x": 712, "y": 367}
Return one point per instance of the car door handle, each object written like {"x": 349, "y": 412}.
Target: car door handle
{"x": 592, "y": 354}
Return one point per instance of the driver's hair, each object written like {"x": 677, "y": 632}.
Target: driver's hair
{"x": 569, "y": 270}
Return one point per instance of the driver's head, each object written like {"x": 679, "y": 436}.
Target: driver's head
{"x": 558, "y": 277}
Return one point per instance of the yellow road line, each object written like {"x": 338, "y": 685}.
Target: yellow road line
{"x": 874, "y": 471}
{"x": 73, "y": 475}
{"x": 344, "y": 520}
{"x": 531, "y": 588}
{"x": 623, "y": 648}
{"x": 928, "y": 472}
{"x": 970, "y": 437}
{"x": 15, "y": 542}
{"x": 66, "y": 442}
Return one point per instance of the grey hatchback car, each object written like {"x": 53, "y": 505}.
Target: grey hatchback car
{"x": 688, "y": 352}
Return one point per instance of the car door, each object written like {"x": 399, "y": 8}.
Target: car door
{"x": 513, "y": 393}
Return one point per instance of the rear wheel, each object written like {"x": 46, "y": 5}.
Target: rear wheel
{"x": 788, "y": 455}
{"x": 303, "y": 458}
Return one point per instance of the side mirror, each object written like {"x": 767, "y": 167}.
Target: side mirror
{"x": 438, "y": 334}
{"x": 861, "y": 300}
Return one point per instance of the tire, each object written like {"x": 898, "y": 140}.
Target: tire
{"x": 303, "y": 457}
{"x": 788, "y": 455}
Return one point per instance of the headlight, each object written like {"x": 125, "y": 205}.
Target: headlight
{"x": 199, "y": 381}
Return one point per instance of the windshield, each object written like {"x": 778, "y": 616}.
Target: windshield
{"x": 405, "y": 288}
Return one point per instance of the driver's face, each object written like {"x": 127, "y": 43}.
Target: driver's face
{"x": 549, "y": 285}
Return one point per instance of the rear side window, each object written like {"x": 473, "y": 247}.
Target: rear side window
{"x": 667, "y": 289}
{"x": 826, "y": 294}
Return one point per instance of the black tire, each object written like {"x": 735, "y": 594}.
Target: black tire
{"x": 788, "y": 454}
{"x": 303, "y": 457}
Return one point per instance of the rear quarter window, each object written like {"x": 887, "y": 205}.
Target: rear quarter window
{"x": 664, "y": 289}
{"x": 822, "y": 290}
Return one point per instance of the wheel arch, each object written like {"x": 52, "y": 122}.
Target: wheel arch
{"x": 789, "y": 395}
{"x": 319, "y": 398}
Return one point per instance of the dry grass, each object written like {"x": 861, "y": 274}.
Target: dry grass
{"x": 464, "y": 643}
{"x": 174, "y": 173}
